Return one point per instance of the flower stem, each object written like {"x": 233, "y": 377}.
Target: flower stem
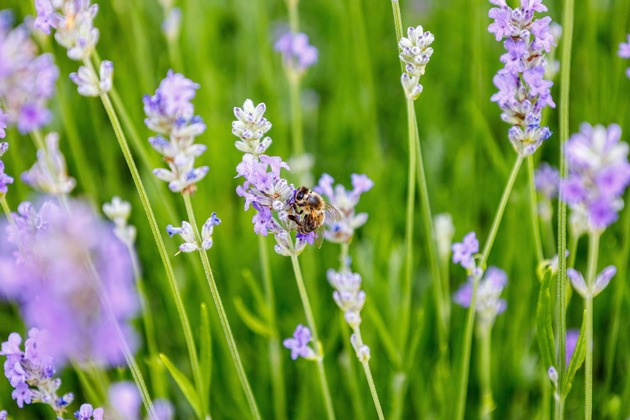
{"x": 565, "y": 86}
{"x": 227, "y": 330}
{"x": 484, "y": 336}
{"x": 593, "y": 253}
{"x": 470, "y": 318}
{"x": 294, "y": 16}
{"x": 277, "y": 374}
{"x": 318, "y": 345}
{"x": 409, "y": 224}
{"x": 146, "y": 205}
{"x": 368, "y": 375}
{"x": 534, "y": 210}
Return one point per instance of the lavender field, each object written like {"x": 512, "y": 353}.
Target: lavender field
{"x": 314, "y": 210}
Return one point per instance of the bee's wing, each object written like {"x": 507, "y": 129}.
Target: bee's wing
{"x": 319, "y": 237}
{"x": 332, "y": 214}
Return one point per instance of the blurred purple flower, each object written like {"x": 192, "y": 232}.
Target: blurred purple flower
{"x": 523, "y": 91}
{"x": 43, "y": 267}
{"x": 488, "y": 304}
{"x": 297, "y": 53}
{"x": 599, "y": 173}
{"x": 463, "y": 252}
{"x": 27, "y": 80}
{"x": 571, "y": 341}
{"x": 342, "y": 230}
{"x": 299, "y": 343}
{"x": 4, "y": 179}
{"x": 547, "y": 179}
{"x": 124, "y": 399}
{"x": 87, "y": 412}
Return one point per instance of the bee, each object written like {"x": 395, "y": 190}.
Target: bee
{"x": 312, "y": 212}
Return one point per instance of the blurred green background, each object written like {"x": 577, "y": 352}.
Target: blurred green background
{"x": 354, "y": 122}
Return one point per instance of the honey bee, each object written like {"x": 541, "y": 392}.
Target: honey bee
{"x": 312, "y": 212}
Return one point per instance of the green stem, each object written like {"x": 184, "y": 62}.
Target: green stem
{"x": 593, "y": 253}
{"x": 409, "y": 224}
{"x": 484, "y": 336}
{"x": 146, "y": 205}
{"x": 534, "y": 210}
{"x": 565, "y": 86}
{"x": 38, "y": 139}
{"x": 296, "y": 113}
{"x": 294, "y": 17}
{"x": 470, "y": 318}
{"x": 277, "y": 375}
{"x": 227, "y": 330}
{"x": 368, "y": 375}
{"x": 318, "y": 345}
{"x": 398, "y": 25}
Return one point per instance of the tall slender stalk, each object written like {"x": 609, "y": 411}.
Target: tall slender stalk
{"x": 593, "y": 253}
{"x": 470, "y": 318}
{"x": 561, "y": 322}
{"x": 275, "y": 359}
{"x": 225, "y": 324}
{"x": 484, "y": 336}
{"x": 310, "y": 319}
{"x": 146, "y": 205}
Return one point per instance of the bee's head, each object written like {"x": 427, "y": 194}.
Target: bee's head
{"x": 301, "y": 193}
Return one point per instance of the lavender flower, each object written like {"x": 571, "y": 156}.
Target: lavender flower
{"x": 624, "y": 52}
{"x": 170, "y": 113}
{"x": 488, "y": 304}
{"x": 599, "y": 173}
{"x": 299, "y": 344}
{"x": 118, "y": 211}
{"x": 4, "y": 178}
{"x": 342, "y": 231}
{"x": 250, "y": 127}
{"x": 73, "y": 21}
{"x": 49, "y": 174}
{"x": 523, "y": 91}
{"x": 591, "y": 290}
{"x": 463, "y": 252}
{"x": 297, "y": 53}
{"x": 348, "y": 295}
{"x": 43, "y": 267}
{"x": 3, "y": 414}
{"x": 87, "y": 412}
{"x": 91, "y": 84}
{"x": 415, "y": 53}
{"x": 171, "y": 26}
{"x": 27, "y": 80}
{"x": 188, "y": 235}
{"x": 30, "y": 372}
{"x": 124, "y": 399}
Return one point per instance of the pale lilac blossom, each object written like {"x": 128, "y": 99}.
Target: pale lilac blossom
{"x": 415, "y": 53}
{"x": 50, "y": 174}
{"x": 573, "y": 335}
{"x": 599, "y": 284}
{"x": 299, "y": 344}
{"x": 27, "y": 80}
{"x": 91, "y": 84}
{"x": 5, "y": 179}
{"x": 488, "y": 303}
{"x": 464, "y": 252}
{"x": 297, "y": 53}
{"x": 250, "y": 127}
{"x": 599, "y": 173}
{"x": 342, "y": 230}
{"x": 87, "y": 412}
{"x": 624, "y": 52}
{"x": 187, "y": 233}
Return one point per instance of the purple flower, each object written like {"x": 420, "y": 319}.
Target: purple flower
{"x": 28, "y": 80}
{"x": 250, "y": 127}
{"x": 49, "y": 174}
{"x": 415, "y": 52}
{"x": 523, "y": 91}
{"x": 547, "y": 179}
{"x": 297, "y": 53}
{"x": 299, "y": 343}
{"x": 170, "y": 113}
{"x": 348, "y": 295}
{"x": 3, "y": 414}
{"x": 86, "y": 412}
{"x": 599, "y": 173}
{"x": 30, "y": 372}
{"x": 342, "y": 229}
{"x": 43, "y": 267}
{"x": 124, "y": 399}
{"x": 624, "y": 52}
{"x": 571, "y": 341}
{"x": 4, "y": 179}
{"x": 488, "y": 304}
{"x": 463, "y": 252}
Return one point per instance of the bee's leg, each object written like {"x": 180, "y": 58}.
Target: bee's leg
{"x": 295, "y": 219}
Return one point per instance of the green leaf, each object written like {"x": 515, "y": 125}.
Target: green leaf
{"x": 184, "y": 385}
{"x": 576, "y": 360}
{"x": 205, "y": 352}
{"x": 544, "y": 321}
{"x": 252, "y": 321}
{"x": 384, "y": 334}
